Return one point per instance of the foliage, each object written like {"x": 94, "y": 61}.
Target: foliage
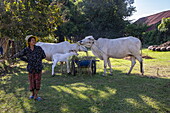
{"x": 22, "y": 18}
{"x": 105, "y": 18}
{"x": 72, "y": 20}
{"x": 153, "y": 37}
{"x": 49, "y": 39}
{"x": 63, "y": 19}
{"x": 158, "y": 36}
{"x": 92, "y": 94}
{"x": 73, "y": 25}
{"x": 164, "y": 28}
{"x": 98, "y": 18}
{"x": 136, "y": 30}
{"x": 165, "y": 25}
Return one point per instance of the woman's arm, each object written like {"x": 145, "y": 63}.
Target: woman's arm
{"x": 21, "y": 55}
{"x": 43, "y": 53}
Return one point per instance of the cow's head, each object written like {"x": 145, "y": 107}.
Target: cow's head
{"x": 88, "y": 41}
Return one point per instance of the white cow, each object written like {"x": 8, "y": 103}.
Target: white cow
{"x": 63, "y": 47}
{"x": 105, "y": 48}
{"x": 59, "y": 57}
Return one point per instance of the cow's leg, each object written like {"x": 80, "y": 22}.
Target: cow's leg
{"x": 53, "y": 66}
{"x": 109, "y": 64}
{"x": 68, "y": 66}
{"x": 139, "y": 58}
{"x": 62, "y": 63}
{"x": 133, "y": 62}
{"x": 105, "y": 66}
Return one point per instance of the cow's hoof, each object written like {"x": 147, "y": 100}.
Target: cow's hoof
{"x": 53, "y": 75}
{"x": 103, "y": 75}
{"x": 111, "y": 74}
{"x": 69, "y": 73}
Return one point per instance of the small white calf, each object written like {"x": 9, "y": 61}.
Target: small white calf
{"x": 58, "y": 57}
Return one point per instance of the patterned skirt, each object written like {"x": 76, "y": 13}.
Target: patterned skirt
{"x": 35, "y": 81}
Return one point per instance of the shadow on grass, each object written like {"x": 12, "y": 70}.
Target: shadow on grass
{"x": 86, "y": 94}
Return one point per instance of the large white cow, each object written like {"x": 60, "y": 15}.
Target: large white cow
{"x": 105, "y": 48}
{"x": 63, "y": 47}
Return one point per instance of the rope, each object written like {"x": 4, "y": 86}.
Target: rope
{"x": 104, "y": 53}
{"x": 99, "y": 49}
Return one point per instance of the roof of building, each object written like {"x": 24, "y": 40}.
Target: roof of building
{"x": 152, "y": 20}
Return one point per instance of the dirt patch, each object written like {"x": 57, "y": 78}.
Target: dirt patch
{"x": 147, "y": 57}
{"x": 127, "y": 58}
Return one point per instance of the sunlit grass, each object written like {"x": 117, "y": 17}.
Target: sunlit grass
{"x": 79, "y": 90}
{"x": 85, "y": 93}
{"x": 133, "y": 102}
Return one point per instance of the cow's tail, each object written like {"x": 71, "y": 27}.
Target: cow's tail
{"x": 141, "y": 63}
{"x": 141, "y": 50}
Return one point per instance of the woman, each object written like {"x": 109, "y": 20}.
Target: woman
{"x": 33, "y": 55}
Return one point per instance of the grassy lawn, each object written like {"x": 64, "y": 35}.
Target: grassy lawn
{"x": 84, "y": 93}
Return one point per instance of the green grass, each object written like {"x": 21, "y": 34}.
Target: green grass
{"x": 84, "y": 93}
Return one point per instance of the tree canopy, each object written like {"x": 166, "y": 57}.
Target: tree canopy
{"x": 165, "y": 25}
{"x": 21, "y": 18}
{"x": 64, "y": 18}
{"x": 105, "y": 18}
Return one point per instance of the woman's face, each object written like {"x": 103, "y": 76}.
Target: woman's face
{"x": 32, "y": 42}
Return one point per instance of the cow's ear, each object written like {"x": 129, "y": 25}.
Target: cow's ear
{"x": 91, "y": 38}
{"x": 71, "y": 50}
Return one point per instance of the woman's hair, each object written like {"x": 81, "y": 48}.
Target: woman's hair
{"x": 29, "y": 40}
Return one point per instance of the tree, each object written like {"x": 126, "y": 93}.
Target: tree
{"x": 64, "y": 18}
{"x": 21, "y": 18}
{"x": 165, "y": 25}
{"x": 164, "y": 28}
{"x": 72, "y": 26}
{"x": 105, "y": 18}
{"x": 136, "y": 30}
